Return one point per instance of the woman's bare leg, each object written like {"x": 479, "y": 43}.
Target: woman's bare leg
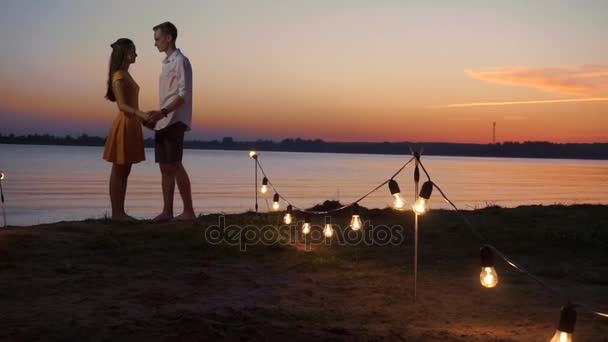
{"x": 118, "y": 191}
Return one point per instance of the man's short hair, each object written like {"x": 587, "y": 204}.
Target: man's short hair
{"x": 167, "y": 28}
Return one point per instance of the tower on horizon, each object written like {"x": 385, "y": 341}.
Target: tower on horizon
{"x": 494, "y": 133}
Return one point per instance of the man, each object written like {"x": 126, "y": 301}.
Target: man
{"x": 174, "y": 119}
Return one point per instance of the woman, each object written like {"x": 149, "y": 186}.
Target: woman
{"x": 124, "y": 145}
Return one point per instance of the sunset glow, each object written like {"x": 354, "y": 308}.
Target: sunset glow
{"x": 337, "y": 71}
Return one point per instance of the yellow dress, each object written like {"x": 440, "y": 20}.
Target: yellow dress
{"x": 125, "y": 142}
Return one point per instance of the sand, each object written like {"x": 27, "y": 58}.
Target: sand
{"x": 99, "y": 281}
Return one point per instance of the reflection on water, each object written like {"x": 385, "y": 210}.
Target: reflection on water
{"x": 54, "y": 183}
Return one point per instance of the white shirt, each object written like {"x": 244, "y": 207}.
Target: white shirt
{"x": 175, "y": 80}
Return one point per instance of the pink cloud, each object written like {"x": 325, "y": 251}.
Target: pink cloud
{"x": 585, "y": 80}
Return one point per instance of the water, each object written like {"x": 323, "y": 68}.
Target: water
{"x": 46, "y": 184}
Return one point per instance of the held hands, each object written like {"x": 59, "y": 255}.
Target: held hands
{"x": 153, "y": 117}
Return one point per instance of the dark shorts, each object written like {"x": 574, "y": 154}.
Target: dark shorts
{"x": 169, "y": 143}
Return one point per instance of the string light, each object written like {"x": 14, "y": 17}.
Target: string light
{"x": 396, "y": 193}
{"x": 264, "y": 188}
{"x": 488, "y": 276}
{"x": 565, "y": 327}
{"x": 422, "y": 206}
{"x": 2, "y": 199}
{"x": 328, "y": 231}
{"x": 355, "y": 222}
{"x": 288, "y": 215}
{"x": 306, "y": 225}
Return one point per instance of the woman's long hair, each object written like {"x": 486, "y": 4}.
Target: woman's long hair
{"x": 120, "y": 48}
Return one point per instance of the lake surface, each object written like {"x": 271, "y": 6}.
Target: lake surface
{"x": 46, "y": 184}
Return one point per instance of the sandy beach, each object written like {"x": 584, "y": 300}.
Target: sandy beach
{"x": 99, "y": 281}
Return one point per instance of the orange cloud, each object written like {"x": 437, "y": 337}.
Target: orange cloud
{"x": 585, "y": 80}
{"x": 507, "y": 103}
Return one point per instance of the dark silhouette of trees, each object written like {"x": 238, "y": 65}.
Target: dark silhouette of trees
{"x": 528, "y": 149}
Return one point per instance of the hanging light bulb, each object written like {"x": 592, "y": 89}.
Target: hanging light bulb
{"x": 355, "y": 222}
{"x": 328, "y": 231}
{"x": 488, "y": 276}
{"x": 288, "y": 215}
{"x": 561, "y": 336}
{"x": 422, "y": 205}
{"x": 275, "y": 202}
{"x": 394, "y": 188}
{"x": 306, "y": 226}
{"x": 565, "y": 327}
{"x": 264, "y": 188}
{"x": 253, "y": 154}
{"x": 2, "y": 199}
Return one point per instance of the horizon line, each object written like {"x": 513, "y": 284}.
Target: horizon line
{"x": 63, "y": 137}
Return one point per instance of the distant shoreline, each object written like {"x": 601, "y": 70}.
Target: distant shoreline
{"x": 532, "y": 149}
{"x": 329, "y": 205}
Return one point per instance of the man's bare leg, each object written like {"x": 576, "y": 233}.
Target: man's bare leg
{"x": 183, "y": 184}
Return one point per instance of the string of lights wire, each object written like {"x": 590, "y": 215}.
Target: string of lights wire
{"x": 488, "y": 275}
{"x": 266, "y": 181}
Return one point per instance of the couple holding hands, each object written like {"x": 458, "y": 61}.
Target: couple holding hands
{"x": 125, "y": 145}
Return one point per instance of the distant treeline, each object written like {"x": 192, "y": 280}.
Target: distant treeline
{"x": 530, "y": 149}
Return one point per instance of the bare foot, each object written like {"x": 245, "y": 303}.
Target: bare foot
{"x": 123, "y": 218}
{"x": 162, "y": 217}
{"x": 185, "y": 217}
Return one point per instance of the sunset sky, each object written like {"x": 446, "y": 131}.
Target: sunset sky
{"x": 375, "y": 70}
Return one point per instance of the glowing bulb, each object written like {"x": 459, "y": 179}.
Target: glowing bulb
{"x": 252, "y": 154}
{"x": 561, "y": 336}
{"x": 565, "y": 326}
{"x": 398, "y": 202}
{"x": 396, "y": 193}
{"x": 1, "y": 175}
{"x": 355, "y": 222}
{"x": 421, "y": 206}
{"x": 328, "y": 231}
{"x": 288, "y": 215}
{"x": 264, "y": 188}
{"x": 275, "y": 202}
{"x": 306, "y": 228}
{"x": 488, "y": 277}
{"x": 422, "y": 203}
{"x": 288, "y": 218}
